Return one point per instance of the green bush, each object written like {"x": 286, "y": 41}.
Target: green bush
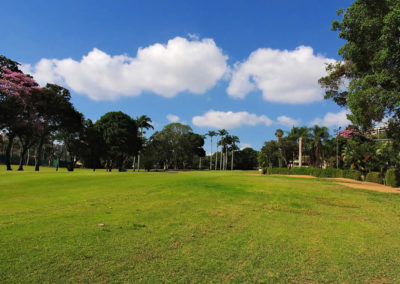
{"x": 280, "y": 171}
{"x": 374, "y": 177}
{"x": 392, "y": 177}
{"x": 352, "y": 174}
{"x": 301, "y": 171}
{"x": 316, "y": 172}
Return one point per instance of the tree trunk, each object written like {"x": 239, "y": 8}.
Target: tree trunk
{"x": 232, "y": 161}
{"x": 211, "y": 155}
{"x": 8, "y": 151}
{"x": 138, "y": 162}
{"x": 133, "y": 164}
{"x": 216, "y": 158}
{"x": 221, "y": 159}
{"x": 300, "y": 152}
{"x": 317, "y": 156}
{"x": 39, "y": 154}
{"x": 27, "y": 158}
{"x": 94, "y": 164}
{"x": 21, "y": 159}
{"x": 226, "y": 158}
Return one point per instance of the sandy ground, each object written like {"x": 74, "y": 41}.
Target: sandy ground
{"x": 365, "y": 185}
{"x": 352, "y": 183}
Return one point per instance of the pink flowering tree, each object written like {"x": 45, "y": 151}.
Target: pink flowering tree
{"x": 349, "y": 132}
{"x": 18, "y": 115}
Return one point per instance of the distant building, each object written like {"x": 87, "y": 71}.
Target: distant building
{"x": 378, "y": 130}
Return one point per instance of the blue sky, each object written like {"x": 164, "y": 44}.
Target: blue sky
{"x": 194, "y": 61}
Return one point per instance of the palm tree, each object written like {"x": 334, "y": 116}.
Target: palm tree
{"x": 211, "y": 134}
{"x": 143, "y": 122}
{"x": 278, "y": 135}
{"x": 232, "y": 143}
{"x": 300, "y": 133}
{"x": 319, "y": 134}
{"x": 222, "y": 133}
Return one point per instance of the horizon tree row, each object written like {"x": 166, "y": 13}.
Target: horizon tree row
{"x": 45, "y": 121}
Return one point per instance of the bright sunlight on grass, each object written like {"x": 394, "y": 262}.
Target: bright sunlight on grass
{"x": 193, "y": 227}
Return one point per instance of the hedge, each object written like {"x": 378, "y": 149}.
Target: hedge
{"x": 374, "y": 177}
{"x": 392, "y": 177}
{"x": 316, "y": 172}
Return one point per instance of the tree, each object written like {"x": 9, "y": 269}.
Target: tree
{"x": 319, "y": 135}
{"x": 269, "y": 154}
{"x": 231, "y": 141}
{"x": 222, "y": 133}
{"x": 72, "y": 133}
{"x": 246, "y": 159}
{"x": 120, "y": 134}
{"x": 53, "y": 107}
{"x": 8, "y": 64}
{"x": 143, "y": 122}
{"x": 278, "y": 135}
{"x": 17, "y": 108}
{"x": 211, "y": 134}
{"x": 301, "y": 135}
{"x": 94, "y": 145}
{"x": 176, "y": 145}
{"x": 370, "y": 62}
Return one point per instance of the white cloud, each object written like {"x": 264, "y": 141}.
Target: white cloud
{"x": 283, "y": 76}
{"x": 333, "y": 119}
{"x": 245, "y": 145}
{"x": 287, "y": 121}
{"x": 230, "y": 120}
{"x": 165, "y": 69}
{"x": 172, "y": 118}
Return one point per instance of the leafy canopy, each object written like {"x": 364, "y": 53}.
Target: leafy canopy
{"x": 371, "y": 62}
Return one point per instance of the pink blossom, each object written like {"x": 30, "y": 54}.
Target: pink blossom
{"x": 348, "y": 132}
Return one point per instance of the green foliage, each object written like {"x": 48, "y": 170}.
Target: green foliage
{"x": 174, "y": 146}
{"x": 245, "y": 159}
{"x": 352, "y": 174}
{"x": 120, "y": 135}
{"x": 370, "y": 61}
{"x": 316, "y": 172}
{"x": 374, "y": 177}
{"x": 301, "y": 171}
{"x": 392, "y": 177}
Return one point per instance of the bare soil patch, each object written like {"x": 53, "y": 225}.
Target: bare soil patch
{"x": 365, "y": 185}
{"x": 351, "y": 183}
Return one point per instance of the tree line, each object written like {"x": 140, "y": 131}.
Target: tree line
{"x": 44, "y": 121}
{"x": 350, "y": 148}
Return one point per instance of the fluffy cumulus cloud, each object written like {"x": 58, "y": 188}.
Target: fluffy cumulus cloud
{"x": 333, "y": 119}
{"x": 287, "y": 121}
{"x": 192, "y": 65}
{"x": 283, "y": 76}
{"x": 173, "y": 118}
{"x": 229, "y": 119}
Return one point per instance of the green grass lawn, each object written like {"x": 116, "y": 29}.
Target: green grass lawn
{"x": 193, "y": 227}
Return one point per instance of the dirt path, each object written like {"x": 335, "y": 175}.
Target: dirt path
{"x": 365, "y": 185}
{"x": 352, "y": 183}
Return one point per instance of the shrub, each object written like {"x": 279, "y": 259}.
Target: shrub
{"x": 374, "y": 177}
{"x": 316, "y": 172}
{"x": 264, "y": 171}
{"x": 301, "y": 171}
{"x": 392, "y": 177}
{"x": 280, "y": 171}
{"x": 352, "y": 174}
